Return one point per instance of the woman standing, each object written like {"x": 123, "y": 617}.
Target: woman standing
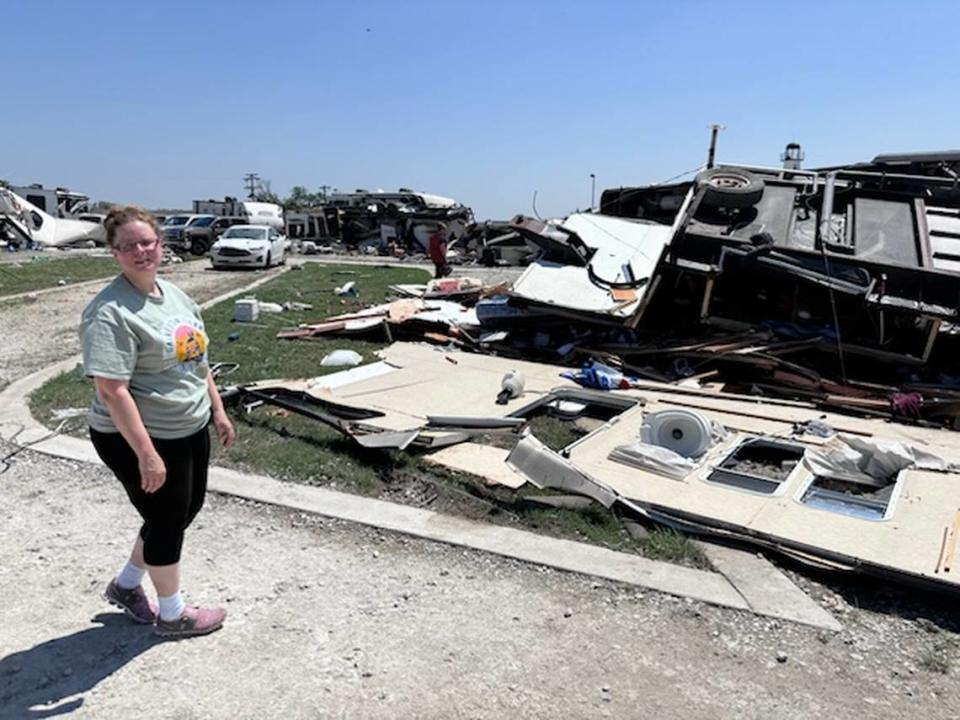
{"x": 145, "y": 348}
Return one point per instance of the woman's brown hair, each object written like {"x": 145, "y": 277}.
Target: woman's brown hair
{"x": 121, "y": 215}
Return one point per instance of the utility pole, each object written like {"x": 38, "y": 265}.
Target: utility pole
{"x": 711, "y": 154}
{"x": 251, "y": 180}
{"x": 593, "y": 190}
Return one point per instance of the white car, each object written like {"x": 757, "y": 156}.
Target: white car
{"x": 248, "y": 246}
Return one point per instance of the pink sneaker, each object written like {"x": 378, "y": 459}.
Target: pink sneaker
{"x": 133, "y": 602}
{"x": 194, "y": 621}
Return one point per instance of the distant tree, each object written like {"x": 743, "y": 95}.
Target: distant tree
{"x": 265, "y": 193}
{"x": 101, "y": 206}
{"x": 4, "y": 183}
{"x": 299, "y": 198}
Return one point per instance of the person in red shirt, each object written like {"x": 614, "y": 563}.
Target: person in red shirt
{"x": 438, "y": 251}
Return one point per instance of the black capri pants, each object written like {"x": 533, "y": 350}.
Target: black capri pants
{"x": 169, "y": 511}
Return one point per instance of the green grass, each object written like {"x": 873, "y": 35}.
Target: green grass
{"x": 598, "y": 525}
{"x": 67, "y": 390}
{"x": 671, "y": 546}
{"x": 312, "y": 454}
{"x": 41, "y": 271}
{"x": 262, "y": 356}
{"x": 594, "y": 524}
{"x": 293, "y": 448}
{"x": 553, "y": 432}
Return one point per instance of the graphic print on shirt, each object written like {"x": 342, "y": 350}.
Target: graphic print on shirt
{"x": 189, "y": 343}
{"x": 186, "y": 344}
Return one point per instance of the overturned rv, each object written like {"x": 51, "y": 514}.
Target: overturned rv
{"x": 832, "y": 255}
{"x": 24, "y": 224}
{"x": 58, "y": 202}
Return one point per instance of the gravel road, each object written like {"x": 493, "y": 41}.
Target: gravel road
{"x": 332, "y": 620}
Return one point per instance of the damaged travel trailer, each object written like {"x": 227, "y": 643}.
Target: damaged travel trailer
{"x": 58, "y": 202}
{"x": 848, "y": 493}
{"x": 497, "y": 243}
{"x": 25, "y": 225}
{"x": 863, "y": 256}
{"x": 836, "y": 255}
{"x": 851, "y": 273}
{"x": 404, "y": 219}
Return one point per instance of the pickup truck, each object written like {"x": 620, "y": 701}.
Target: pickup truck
{"x": 199, "y": 236}
{"x": 174, "y": 225}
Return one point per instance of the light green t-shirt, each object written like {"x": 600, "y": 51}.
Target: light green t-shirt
{"x": 159, "y": 345}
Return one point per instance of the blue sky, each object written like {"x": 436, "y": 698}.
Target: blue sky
{"x": 162, "y": 103}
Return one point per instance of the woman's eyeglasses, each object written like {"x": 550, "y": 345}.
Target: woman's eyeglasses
{"x": 145, "y": 245}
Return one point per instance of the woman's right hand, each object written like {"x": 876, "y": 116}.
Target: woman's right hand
{"x": 153, "y": 473}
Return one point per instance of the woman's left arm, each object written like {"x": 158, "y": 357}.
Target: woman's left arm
{"x": 221, "y": 422}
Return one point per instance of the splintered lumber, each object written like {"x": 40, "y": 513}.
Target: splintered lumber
{"x": 311, "y": 330}
{"x": 951, "y": 543}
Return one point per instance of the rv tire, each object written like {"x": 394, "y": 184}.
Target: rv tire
{"x": 729, "y": 187}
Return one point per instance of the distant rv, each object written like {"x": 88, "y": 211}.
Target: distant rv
{"x": 58, "y": 202}
{"x": 257, "y": 213}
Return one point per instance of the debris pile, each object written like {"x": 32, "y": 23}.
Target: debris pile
{"x": 378, "y": 222}
{"x": 828, "y": 288}
{"x": 493, "y": 243}
{"x": 737, "y": 347}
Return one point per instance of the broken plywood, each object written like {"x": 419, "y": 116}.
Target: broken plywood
{"x": 483, "y": 461}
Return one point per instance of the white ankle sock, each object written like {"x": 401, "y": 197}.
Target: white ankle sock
{"x": 130, "y": 576}
{"x": 172, "y": 606}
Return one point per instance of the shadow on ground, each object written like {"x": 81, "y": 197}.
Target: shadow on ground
{"x": 50, "y": 679}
